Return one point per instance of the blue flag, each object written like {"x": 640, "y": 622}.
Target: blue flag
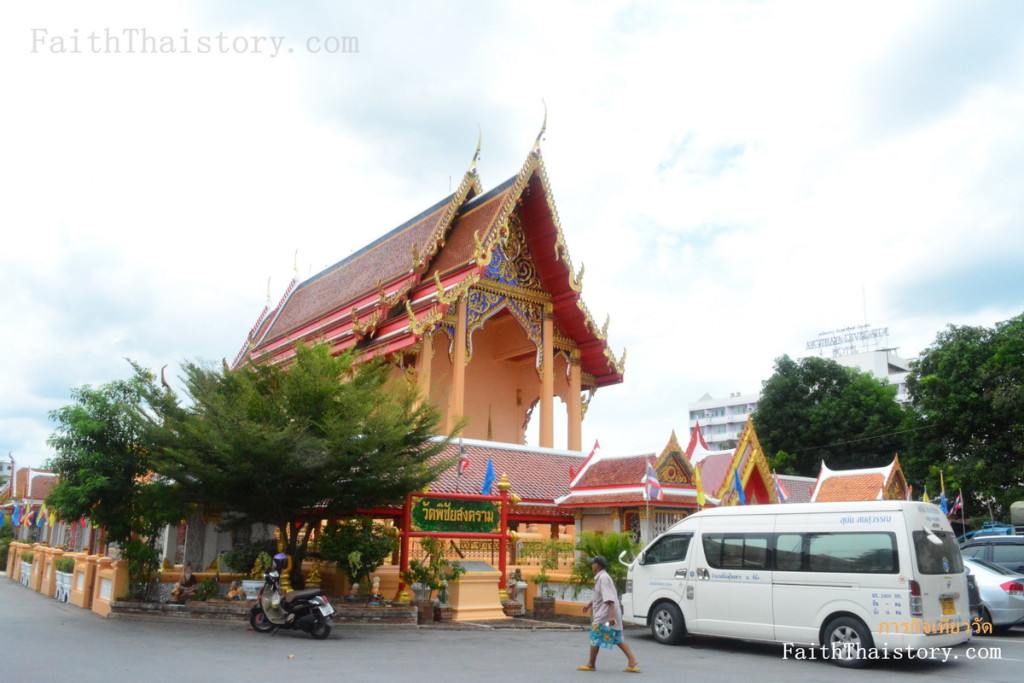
{"x": 488, "y": 478}
{"x": 943, "y": 505}
{"x": 739, "y": 487}
{"x": 16, "y": 516}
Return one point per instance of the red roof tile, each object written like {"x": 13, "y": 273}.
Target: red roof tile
{"x": 540, "y": 475}
{"x": 841, "y": 488}
{"x": 616, "y": 471}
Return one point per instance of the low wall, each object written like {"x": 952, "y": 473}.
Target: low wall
{"x": 227, "y": 610}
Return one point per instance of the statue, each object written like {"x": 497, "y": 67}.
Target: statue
{"x": 375, "y": 596}
{"x": 187, "y": 587}
{"x": 235, "y": 592}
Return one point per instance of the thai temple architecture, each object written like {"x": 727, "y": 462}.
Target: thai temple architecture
{"x": 475, "y": 300}
{"x": 872, "y": 483}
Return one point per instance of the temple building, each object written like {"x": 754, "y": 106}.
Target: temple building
{"x": 475, "y": 300}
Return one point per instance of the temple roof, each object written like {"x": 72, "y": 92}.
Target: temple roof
{"x": 33, "y": 484}
{"x": 537, "y": 475}
{"x": 870, "y": 483}
{"x": 386, "y": 296}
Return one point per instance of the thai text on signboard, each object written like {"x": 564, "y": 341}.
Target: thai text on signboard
{"x": 462, "y": 516}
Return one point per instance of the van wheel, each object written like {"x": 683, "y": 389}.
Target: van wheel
{"x": 848, "y": 640}
{"x": 667, "y": 625}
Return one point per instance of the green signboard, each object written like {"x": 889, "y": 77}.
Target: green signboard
{"x": 465, "y": 516}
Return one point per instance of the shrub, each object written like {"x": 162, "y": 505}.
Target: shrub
{"x": 27, "y": 556}
{"x": 65, "y": 565}
{"x": 208, "y": 588}
{"x": 242, "y": 560}
{"x": 548, "y": 553}
{"x": 359, "y": 547}
{"x": 611, "y": 546}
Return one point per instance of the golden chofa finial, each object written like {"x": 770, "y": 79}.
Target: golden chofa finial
{"x": 504, "y": 484}
{"x": 479, "y": 144}
{"x": 543, "y": 128}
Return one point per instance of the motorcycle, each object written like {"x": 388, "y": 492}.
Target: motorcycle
{"x": 306, "y": 610}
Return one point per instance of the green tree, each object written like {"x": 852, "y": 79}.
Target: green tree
{"x": 293, "y": 446}
{"x": 817, "y": 409}
{"x": 105, "y": 473}
{"x": 968, "y": 389}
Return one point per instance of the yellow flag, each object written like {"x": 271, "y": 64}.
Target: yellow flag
{"x": 700, "y": 487}
{"x": 925, "y": 498}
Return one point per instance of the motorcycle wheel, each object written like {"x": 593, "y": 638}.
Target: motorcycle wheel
{"x": 321, "y": 629}
{"x": 259, "y": 622}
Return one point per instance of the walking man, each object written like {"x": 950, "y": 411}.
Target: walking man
{"x": 606, "y": 617}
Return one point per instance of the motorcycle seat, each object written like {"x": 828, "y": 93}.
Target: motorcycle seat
{"x": 305, "y": 594}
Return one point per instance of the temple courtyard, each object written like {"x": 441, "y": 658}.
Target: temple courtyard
{"x": 47, "y": 641}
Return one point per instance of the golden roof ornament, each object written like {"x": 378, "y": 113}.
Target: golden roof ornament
{"x": 504, "y": 484}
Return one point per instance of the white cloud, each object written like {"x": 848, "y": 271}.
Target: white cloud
{"x": 736, "y": 177}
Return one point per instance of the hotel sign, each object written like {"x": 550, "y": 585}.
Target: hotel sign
{"x": 463, "y": 516}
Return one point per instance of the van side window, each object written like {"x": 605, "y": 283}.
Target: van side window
{"x": 856, "y": 552}
{"x": 789, "y": 550}
{"x": 736, "y": 551}
{"x": 667, "y": 549}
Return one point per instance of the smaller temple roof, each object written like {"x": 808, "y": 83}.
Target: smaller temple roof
{"x": 869, "y": 483}
{"x": 33, "y": 484}
{"x": 798, "y": 488}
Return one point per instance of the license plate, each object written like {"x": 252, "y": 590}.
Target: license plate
{"x": 326, "y": 610}
{"x": 948, "y": 607}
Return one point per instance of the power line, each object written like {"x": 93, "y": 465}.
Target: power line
{"x": 864, "y": 438}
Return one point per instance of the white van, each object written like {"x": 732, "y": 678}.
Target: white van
{"x": 859, "y": 579}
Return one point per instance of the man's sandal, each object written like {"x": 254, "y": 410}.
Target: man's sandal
{"x": 632, "y": 669}
{"x": 584, "y": 667}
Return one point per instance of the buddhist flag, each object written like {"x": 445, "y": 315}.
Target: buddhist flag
{"x": 700, "y": 487}
{"x": 739, "y": 486}
{"x": 30, "y": 515}
{"x": 924, "y": 497}
{"x": 942, "y": 498}
{"x": 488, "y": 478}
{"x": 42, "y": 516}
{"x": 652, "y": 487}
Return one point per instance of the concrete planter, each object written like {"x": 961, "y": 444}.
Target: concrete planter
{"x": 26, "y": 572}
{"x": 251, "y": 588}
{"x": 62, "y": 586}
{"x": 543, "y": 607}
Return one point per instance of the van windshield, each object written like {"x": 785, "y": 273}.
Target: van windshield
{"x": 937, "y": 552}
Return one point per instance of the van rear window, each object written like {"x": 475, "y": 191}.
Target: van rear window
{"x": 937, "y": 552}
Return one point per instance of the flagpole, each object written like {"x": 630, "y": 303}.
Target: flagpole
{"x": 963, "y": 522}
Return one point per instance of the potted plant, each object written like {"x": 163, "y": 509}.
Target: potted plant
{"x": 431, "y": 574}
{"x": 260, "y": 566}
{"x": 26, "y": 558}
{"x": 243, "y": 560}
{"x": 544, "y": 601}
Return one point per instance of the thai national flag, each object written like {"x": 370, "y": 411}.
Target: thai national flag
{"x": 958, "y": 503}
{"x": 652, "y": 487}
{"x": 463, "y": 465}
{"x": 780, "y": 490}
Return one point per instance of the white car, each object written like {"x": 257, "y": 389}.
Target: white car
{"x": 1002, "y": 593}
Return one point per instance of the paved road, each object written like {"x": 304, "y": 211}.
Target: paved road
{"x": 45, "y": 641}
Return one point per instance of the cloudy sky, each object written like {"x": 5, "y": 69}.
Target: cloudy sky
{"x": 737, "y": 177}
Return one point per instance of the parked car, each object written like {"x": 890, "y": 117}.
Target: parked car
{"x": 1002, "y": 593}
{"x": 1007, "y": 551}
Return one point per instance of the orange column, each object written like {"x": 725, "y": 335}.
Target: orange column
{"x": 423, "y": 363}
{"x": 547, "y": 381}
{"x": 575, "y": 407}
{"x": 457, "y": 400}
